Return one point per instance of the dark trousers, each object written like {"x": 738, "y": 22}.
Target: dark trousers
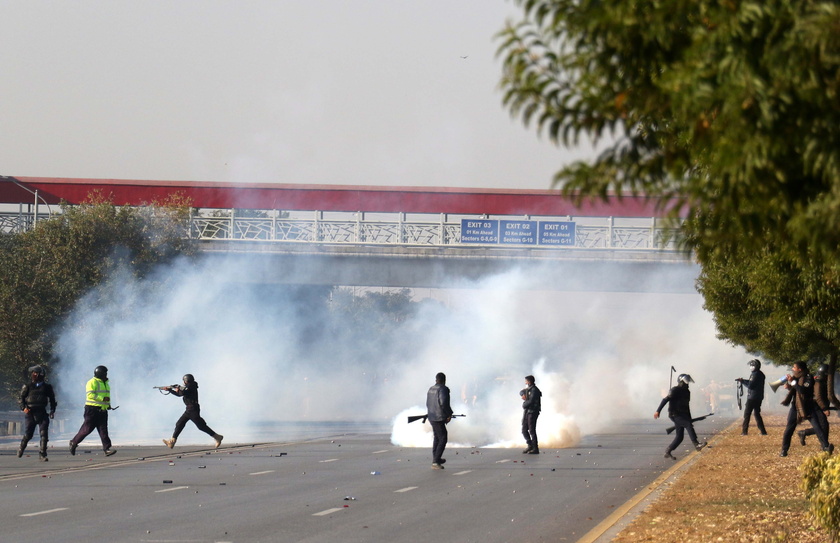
{"x": 36, "y": 417}
{"x": 682, "y": 423}
{"x": 753, "y": 406}
{"x": 96, "y": 418}
{"x": 439, "y": 443}
{"x": 823, "y": 425}
{"x": 793, "y": 420}
{"x": 529, "y": 429}
{"x": 195, "y": 416}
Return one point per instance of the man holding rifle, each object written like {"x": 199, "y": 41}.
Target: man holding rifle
{"x": 189, "y": 392}
{"x": 679, "y": 411}
{"x": 439, "y": 413}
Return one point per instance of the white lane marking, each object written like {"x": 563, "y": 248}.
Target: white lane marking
{"x": 45, "y": 512}
{"x": 330, "y": 460}
{"x": 379, "y": 452}
{"x": 503, "y": 461}
{"x": 463, "y": 472}
{"x": 262, "y": 472}
{"x": 171, "y": 489}
{"x": 406, "y": 489}
{"x": 327, "y": 512}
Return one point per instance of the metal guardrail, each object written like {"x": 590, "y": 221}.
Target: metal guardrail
{"x": 400, "y": 229}
{"x": 608, "y": 233}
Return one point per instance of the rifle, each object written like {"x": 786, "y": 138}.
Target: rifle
{"x": 739, "y": 391}
{"x": 165, "y": 389}
{"x": 412, "y": 418}
{"x": 672, "y": 428}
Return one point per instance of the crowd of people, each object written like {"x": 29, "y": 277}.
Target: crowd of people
{"x": 807, "y": 397}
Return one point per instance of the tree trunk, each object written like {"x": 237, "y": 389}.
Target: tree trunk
{"x": 832, "y": 368}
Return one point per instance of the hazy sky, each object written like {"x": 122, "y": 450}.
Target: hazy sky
{"x": 372, "y": 92}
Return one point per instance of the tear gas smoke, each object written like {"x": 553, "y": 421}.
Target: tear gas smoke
{"x": 265, "y": 357}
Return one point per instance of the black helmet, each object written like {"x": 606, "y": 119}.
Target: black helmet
{"x": 188, "y": 378}
{"x": 37, "y": 371}
{"x": 100, "y": 372}
{"x": 754, "y": 364}
{"x": 823, "y": 369}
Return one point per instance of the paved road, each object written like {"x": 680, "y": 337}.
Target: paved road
{"x": 355, "y": 487}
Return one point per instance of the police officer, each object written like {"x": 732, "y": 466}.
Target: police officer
{"x": 800, "y": 386}
{"x": 97, "y": 405}
{"x": 679, "y": 411}
{"x": 439, "y": 413}
{"x": 755, "y": 395}
{"x": 531, "y": 406}
{"x": 189, "y": 392}
{"x": 34, "y": 398}
{"x": 821, "y": 399}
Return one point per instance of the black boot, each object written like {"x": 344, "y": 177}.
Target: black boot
{"x": 801, "y": 434}
{"x": 42, "y": 453}
{"x": 22, "y": 448}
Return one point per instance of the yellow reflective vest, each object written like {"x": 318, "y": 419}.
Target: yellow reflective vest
{"x": 98, "y": 393}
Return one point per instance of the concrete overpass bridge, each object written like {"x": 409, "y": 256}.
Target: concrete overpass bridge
{"x": 398, "y": 236}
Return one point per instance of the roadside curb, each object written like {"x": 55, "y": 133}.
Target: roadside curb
{"x": 619, "y": 519}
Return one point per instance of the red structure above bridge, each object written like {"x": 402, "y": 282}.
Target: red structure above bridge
{"x": 289, "y": 197}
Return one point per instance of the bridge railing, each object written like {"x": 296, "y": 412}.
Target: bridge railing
{"x": 613, "y": 233}
{"x": 402, "y": 229}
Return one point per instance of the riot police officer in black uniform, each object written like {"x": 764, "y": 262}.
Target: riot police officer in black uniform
{"x": 755, "y": 395}
{"x": 679, "y": 411}
{"x": 531, "y": 405}
{"x": 800, "y": 398}
{"x": 821, "y": 399}
{"x": 34, "y": 397}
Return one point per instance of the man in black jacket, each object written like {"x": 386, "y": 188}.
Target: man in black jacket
{"x": 34, "y": 398}
{"x": 193, "y": 412}
{"x": 679, "y": 411}
{"x": 755, "y": 395}
{"x": 823, "y": 405}
{"x": 531, "y": 406}
{"x": 439, "y": 413}
{"x": 800, "y": 387}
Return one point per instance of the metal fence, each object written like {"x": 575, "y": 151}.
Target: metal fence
{"x": 398, "y": 229}
{"x": 424, "y": 230}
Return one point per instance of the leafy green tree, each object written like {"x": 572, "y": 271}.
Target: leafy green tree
{"x": 730, "y": 108}
{"x": 774, "y": 304}
{"x": 47, "y": 269}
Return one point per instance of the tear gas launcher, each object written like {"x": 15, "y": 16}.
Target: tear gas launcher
{"x": 165, "y": 389}
{"x": 412, "y": 418}
{"x": 672, "y": 428}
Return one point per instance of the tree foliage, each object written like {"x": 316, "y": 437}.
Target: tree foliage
{"x": 730, "y": 108}
{"x": 773, "y": 306}
{"x": 47, "y": 269}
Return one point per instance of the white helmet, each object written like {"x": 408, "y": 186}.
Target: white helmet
{"x": 684, "y": 378}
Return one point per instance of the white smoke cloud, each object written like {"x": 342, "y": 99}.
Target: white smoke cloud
{"x": 598, "y": 358}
